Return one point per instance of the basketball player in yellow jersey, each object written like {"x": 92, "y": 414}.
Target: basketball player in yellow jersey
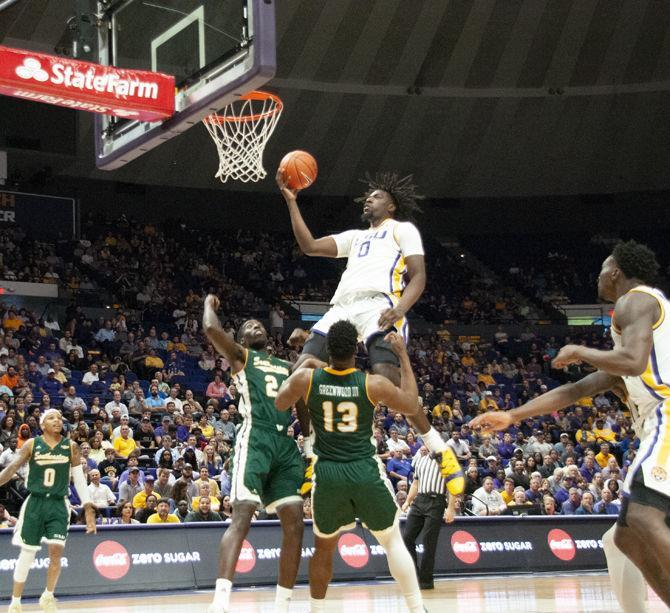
{"x": 384, "y": 277}
{"x": 45, "y": 515}
{"x": 640, "y": 361}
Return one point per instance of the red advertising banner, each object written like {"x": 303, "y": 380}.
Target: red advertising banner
{"x": 134, "y": 94}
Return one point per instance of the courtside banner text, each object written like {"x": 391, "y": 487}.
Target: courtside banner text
{"x": 85, "y": 86}
{"x": 174, "y": 556}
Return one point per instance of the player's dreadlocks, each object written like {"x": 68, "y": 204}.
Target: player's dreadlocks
{"x": 342, "y": 340}
{"x": 636, "y": 261}
{"x": 401, "y": 190}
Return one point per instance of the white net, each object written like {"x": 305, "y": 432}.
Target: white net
{"x": 241, "y": 132}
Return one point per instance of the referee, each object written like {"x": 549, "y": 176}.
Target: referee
{"x": 427, "y": 506}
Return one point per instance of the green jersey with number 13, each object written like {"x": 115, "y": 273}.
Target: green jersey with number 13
{"x": 49, "y": 468}
{"x": 257, "y": 384}
{"x": 342, "y": 414}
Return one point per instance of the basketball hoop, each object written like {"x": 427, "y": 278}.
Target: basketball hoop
{"x": 240, "y": 134}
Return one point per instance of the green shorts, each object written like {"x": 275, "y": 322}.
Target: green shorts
{"x": 42, "y": 519}
{"x": 267, "y": 468}
{"x": 344, "y": 491}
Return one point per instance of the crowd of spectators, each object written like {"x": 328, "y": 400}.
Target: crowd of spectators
{"x": 571, "y": 462}
{"x": 159, "y": 269}
{"x": 155, "y": 413}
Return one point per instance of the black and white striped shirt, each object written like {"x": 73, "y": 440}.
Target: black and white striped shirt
{"x": 427, "y": 471}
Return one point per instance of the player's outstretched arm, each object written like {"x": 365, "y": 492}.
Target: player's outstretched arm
{"x": 21, "y": 458}
{"x": 309, "y": 245}
{"x": 294, "y": 388}
{"x": 405, "y": 397}
{"x": 635, "y": 314}
{"x": 223, "y": 342}
{"x": 80, "y": 486}
{"x": 554, "y": 400}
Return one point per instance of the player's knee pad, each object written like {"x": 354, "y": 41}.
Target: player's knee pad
{"x": 23, "y": 564}
{"x": 316, "y": 345}
{"x": 380, "y": 352}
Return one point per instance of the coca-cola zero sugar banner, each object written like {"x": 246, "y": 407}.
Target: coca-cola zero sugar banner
{"x": 174, "y": 556}
{"x": 135, "y": 94}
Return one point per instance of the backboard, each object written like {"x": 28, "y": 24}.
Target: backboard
{"x": 216, "y": 49}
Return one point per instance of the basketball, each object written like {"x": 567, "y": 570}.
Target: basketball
{"x": 299, "y": 169}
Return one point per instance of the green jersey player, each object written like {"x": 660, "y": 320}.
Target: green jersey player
{"x": 45, "y": 514}
{"x": 349, "y": 481}
{"x": 267, "y": 466}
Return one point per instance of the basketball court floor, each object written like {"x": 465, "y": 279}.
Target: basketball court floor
{"x": 588, "y": 593}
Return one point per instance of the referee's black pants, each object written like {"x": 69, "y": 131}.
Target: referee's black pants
{"x": 425, "y": 514}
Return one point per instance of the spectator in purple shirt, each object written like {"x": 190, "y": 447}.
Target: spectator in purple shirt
{"x": 533, "y": 493}
{"x": 606, "y": 505}
{"x": 52, "y": 386}
{"x": 506, "y": 448}
{"x": 399, "y": 468}
{"x": 589, "y": 468}
{"x": 570, "y": 506}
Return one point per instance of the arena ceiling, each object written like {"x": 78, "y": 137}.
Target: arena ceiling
{"x": 476, "y": 98}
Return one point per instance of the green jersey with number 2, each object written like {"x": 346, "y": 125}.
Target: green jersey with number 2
{"x": 49, "y": 468}
{"x": 342, "y": 414}
{"x": 258, "y": 383}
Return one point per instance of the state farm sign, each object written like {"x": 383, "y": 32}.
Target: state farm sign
{"x": 137, "y": 94}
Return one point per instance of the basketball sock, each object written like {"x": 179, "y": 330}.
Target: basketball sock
{"x": 282, "y": 598}
{"x": 222, "y": 593}
{"x": 16, "y": 600}
{"x": 627, "y": 581}
{"x": 401, "y": 567}
{"x": 47, "y": 593}
{"x": 433, "y": 441}
{"x": 317, "y": 605}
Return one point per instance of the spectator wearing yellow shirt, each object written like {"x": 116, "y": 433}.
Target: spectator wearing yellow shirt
{"x": 485, "y": 377}
{"x": 206, "y": 428}
{"x": 467, "y": 360}
{"x": 205, "y": 492}
{"x": 124, "y": 444}
{"x": 585, "y": 436}
{"x": 140, "y": 499}
{"x": 487, "y": 403}
{"x": 153, "y": 361}
{"x": 162, "y": 516}
{"x": 602, "y": 433}
{"x": 204, "y": 478}
{"x": 508, "y": 490}
{"x": 604, "y": 456}
{"x": 12, "y": 321}
{"x": 440, "y": 408}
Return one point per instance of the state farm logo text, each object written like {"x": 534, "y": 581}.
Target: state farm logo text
{"x": 111, "y": 560}
{"x": 465, "y": 547}
{"x": 70, "y": 78}
{"x": 353, "y": 550}
{"x": 561, "y": 545}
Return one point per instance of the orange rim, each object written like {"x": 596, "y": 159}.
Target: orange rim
{"x": 253, "y": 95}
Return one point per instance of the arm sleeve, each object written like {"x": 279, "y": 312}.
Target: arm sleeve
{"x": 80, "y": 485}
{"x": 409, "y": 239}
{"x": 343, "y": 241}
